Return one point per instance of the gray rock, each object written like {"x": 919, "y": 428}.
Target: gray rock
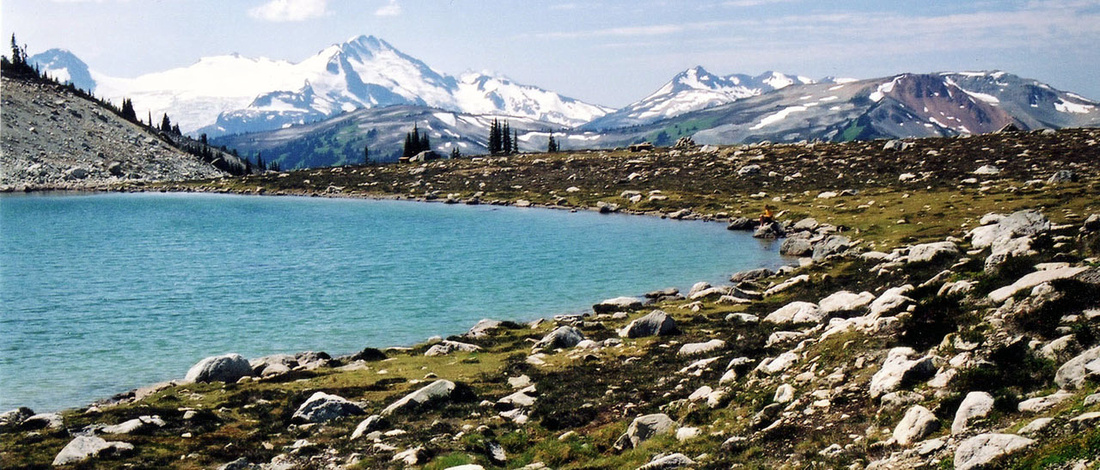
{"x": 414, "y": 456}
{"x": 519, "y": 399}
{"x": 369, "y": 425}
{"x": 845, "y": 301}
{"x": 274, "y": 364}
{"x": 83, "y": 448}
{"x": 483, "y": 328}
{"x": 656, "y": 323}
{"x": 769, "y": 231}
{"x": 239, "y": 464}
{"x": 312, "y": 359}
{"x": 436, "y": 391}
{"x": 676, "y": 460}
{"x": 807, "y": 224}
{"x": 929, "y": 252}
{"x": 696, "y": 349}
{"x": 1043, "y": 403}
{"x": 833, "y": 245}
{"x": 796, "y": 312}
{"x": 1002, "y": 228}
{"x": 796, "y": 247}
{"x": 1062, "y": 176}
{"x": 1033, "y": 279}
{"x": 982, "y": 449}
{"x": 765, "y": 416}
{"x": 322, "y": 407}
{"x": 975, "y": 405}
{"x": 697, "y": 288}
{"x": 783, "y": 394}
{"x": 643, "y": 428}
{"x": 917, "y": 423}
{"x": 742, "y": 318}
{"x": 742, "y": 223}
{"x": 228, "y": 368}
{"x": 1035, "y": 427}
{"x": 891, "y": 300}
{"x": 1092, "y": 223}
{"x": 1073, "y": 373}
{"x": 987, "y": 170}
{"x": 446, "y": 347}
{"x": 617, "y": 304}
{"x": 134, "y": 426}
{"x": 43, "y": 421}
{"x": 751, "y": 275}
{"x": 897, "y": 145}
{"x": 899, "y": 371}
{"x": 657, "y": 294}
{"x": 76, "y": 173}
{"x": 11, "y": 419}
{"x": 748, "y": 170}
{"x": 562, "y": 337}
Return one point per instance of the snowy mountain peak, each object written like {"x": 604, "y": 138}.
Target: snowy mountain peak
{"x": 64, "y": 66}
{"x": 776, "y": 80}
{"x": 692, "y": 90}
{"x": 229, "y": 93}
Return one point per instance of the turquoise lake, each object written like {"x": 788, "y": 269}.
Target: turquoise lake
{"x": 103, "y": 293}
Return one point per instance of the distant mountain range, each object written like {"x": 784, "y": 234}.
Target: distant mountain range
{"x": 692, "y": 90}
{"x": 365, "y": 93}
{"x": 233, "y": 94}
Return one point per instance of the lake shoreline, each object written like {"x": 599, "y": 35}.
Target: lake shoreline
{"x": 916, "y": 314}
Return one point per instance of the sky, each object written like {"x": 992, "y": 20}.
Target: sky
{"x": 604, "y": 52}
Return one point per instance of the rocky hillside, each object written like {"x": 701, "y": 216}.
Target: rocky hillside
{"x": 54, "y": 139}
{"x": 944, "y": 313}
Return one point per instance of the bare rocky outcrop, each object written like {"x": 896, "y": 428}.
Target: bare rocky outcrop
{"x": 53, "y": 139}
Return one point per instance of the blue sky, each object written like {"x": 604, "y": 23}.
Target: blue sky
{"x": 606, "y": 52}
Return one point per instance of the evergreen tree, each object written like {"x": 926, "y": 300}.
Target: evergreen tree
{"x": 425, "y": 144}
{"x": 455, "y": 153}
{"x": 366, "y": 155}
{"x": 165, "y": 124}
{"x": 515, "y": 141}
{"x": 408, "y": 145}
{"x": 128, "y": 113}
{"x": 551, "y": 144}
{"x": 494, "y": 138}
{"x": 506, "y": 146}
{"x": 16, "y": 53}
{"x": 151, "y": 119}
{"x": 176, "y": 130}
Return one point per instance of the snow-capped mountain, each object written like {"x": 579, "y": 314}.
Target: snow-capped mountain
{"x": 233, "y": 94}
{"x": 899, "y": 106}
{"x": 65, "y": 67}
{"x": 692, "y": 90}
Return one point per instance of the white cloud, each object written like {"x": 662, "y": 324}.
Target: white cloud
{"x": 290, "y": 10}
{"x": 391, "y": 9}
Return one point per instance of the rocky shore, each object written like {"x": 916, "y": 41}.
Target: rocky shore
{"x": 933, "y": 322}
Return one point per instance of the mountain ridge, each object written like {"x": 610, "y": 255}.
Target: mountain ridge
{"x": 229, "y": 94}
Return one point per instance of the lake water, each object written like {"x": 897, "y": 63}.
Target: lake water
{"x": 103, "y": 293}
